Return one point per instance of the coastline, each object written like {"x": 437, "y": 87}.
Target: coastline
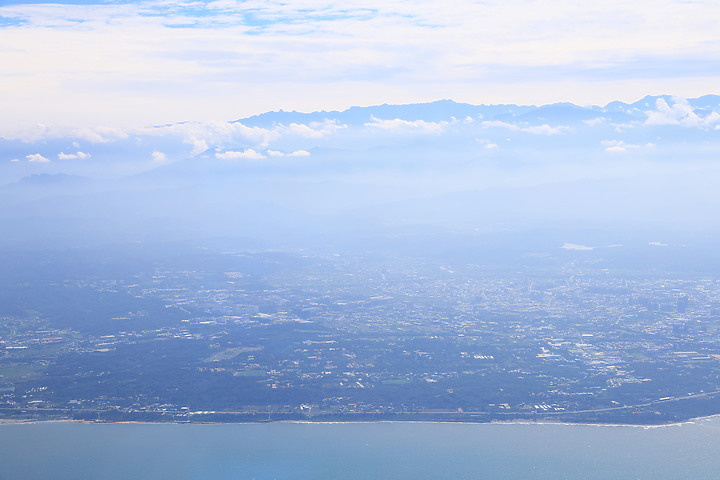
{"x": 691, "y": 421}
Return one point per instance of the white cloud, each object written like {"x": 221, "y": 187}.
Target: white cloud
{"x": 205, "y": 135}
{"x": 68, "y": 156}
{"x": 546, "y": 130}
{"x": 615, "y": 146}
{"x": 489, "y": 144}
{"x": 593, "y": 122}
{"x": 36, "y": 157}
{"x": 535, "y": 129}
{"x": 311, "y": 130}
{"x": 680, "y": 113}
{"x": 40, "y": 131}
{"x": 199, "y": 145}
{"x": 575, "y": 246}
{"x": 408, "y": 126}
{"x": 296, "y": 153}
{"x": 159, "y": 157}
{"x": 101, "y": 134}
{"x": 231, "y": 155}
{"x": 499, "y": 124}
{"x": 299, "y": 153}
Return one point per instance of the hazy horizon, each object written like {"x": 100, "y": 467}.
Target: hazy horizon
{"x": 133, "y": 63}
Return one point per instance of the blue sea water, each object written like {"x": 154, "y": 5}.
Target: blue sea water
{"x": 371, "y": 451}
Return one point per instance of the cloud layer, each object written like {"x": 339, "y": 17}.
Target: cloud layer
{"x": 470, "y": 143}
{"x": 154, "y": 61}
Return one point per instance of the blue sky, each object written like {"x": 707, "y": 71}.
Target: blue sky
{"x": 123, "y": 63}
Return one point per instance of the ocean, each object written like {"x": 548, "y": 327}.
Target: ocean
{"x": 354, "y": 451}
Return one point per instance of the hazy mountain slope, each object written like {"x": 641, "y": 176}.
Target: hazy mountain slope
{"x": 296, "y": 179}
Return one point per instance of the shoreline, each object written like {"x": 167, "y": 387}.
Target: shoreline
{"x": 691, "y": 421}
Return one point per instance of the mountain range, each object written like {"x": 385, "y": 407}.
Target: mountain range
{"x": 327, "y": 179}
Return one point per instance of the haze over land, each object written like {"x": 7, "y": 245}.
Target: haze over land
{"x": 299, "y": 179}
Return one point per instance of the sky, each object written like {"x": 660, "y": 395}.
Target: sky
{"x": 139, "y": 63}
